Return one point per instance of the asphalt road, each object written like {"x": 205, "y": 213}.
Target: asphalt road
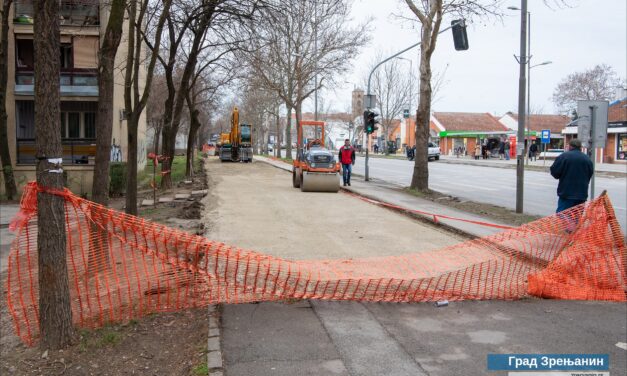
{"x": 492, "y": 185}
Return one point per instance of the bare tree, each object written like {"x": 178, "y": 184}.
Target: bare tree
{"x": 598, "y": 83}
{"x": 301, "y": 47}
{"x": 104, "y": 120}
{"x": 55, "y": 314}
{"x": 391, "y": 86}
{"x": 5, "y": 157}
{"x": 135, "y": 98}
{"x": 430, "y": 15}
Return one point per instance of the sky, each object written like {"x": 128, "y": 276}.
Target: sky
{"x": 485, "y": 77}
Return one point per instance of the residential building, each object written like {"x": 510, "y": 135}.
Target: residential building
{"x": 82, "y": 27}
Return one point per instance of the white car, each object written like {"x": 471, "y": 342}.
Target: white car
{"x": 433, "y": 151}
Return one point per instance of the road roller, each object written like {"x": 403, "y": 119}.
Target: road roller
{"x": 315, "y": 168}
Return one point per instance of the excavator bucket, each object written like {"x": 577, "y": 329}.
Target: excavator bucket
{"x": 320, "y": 182}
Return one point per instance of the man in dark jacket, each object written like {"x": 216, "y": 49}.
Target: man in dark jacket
{"x": 347, "y": 159}
{"x": 574, "y": 171}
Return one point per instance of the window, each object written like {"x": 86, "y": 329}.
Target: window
{"x": 90, "y": 124}
{"x": 63, "y": 126}
{"x": 74, "y": 125}
{"x": 66, "y": 56}
{"x": 621, "y": 147}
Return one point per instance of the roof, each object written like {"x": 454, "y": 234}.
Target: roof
{"x": 538, "y": 122}
{"x": 469, "y": 121}
{"x": 617, "y": 111}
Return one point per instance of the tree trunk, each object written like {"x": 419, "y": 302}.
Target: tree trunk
{"x": 132, "y": 125}
{"x": 288, "y": 133}
{"x": 277, "y": 142}
{"x": 420, "y": 177}
{"x": 55, "y": 312}
{"x": 5, "y": 157}
{"x": 104, "y": 119}
{"x": 194, "y": 126}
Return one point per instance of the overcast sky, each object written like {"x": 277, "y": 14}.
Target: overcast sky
{"x": 485, "y": 78}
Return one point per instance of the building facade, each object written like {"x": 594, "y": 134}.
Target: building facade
{"x": 460, "y": 132}
{"x": 615, "y": 148}
{"x": 82, "y": 27}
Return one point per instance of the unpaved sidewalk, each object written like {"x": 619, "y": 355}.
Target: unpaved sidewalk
{"x": 258, "y": 209}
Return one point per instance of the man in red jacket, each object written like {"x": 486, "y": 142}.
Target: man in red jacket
{"x": 347, "y": 159}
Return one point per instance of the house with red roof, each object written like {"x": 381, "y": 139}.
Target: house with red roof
{"x": 536, "y": 123}
{"x": 465, "y": 129}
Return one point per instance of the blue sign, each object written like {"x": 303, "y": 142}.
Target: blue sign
{"x": 546, "y": 136}
{"x": 545, "y": 362}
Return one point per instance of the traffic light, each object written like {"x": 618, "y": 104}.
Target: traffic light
{"x": 460, "y": 38}
{"x": 370, "y": 121}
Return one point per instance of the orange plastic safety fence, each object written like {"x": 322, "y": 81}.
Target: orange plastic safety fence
{"x": 123, "y": 267}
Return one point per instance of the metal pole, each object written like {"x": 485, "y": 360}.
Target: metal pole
{"x": 381, "y": 63}
{"x": 592, "y": 151}
{"x": 520, "y": 166}
{"x": 316, "y": 61}
{"x": 528, "y": 87}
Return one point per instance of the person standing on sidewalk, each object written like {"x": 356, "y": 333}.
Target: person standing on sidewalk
{"x": 502, "y": 150}
{"x": 533, "y": 150}
{"x": 477, "y": 151}
{"x": 574, "y": 171}
{"x": 347, "y": 159}
{"x": 506, "y": 149}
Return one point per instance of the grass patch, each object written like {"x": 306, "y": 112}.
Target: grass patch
{"x": 489, "y": 211}
{"x": 177, "y": 171}
{"x": 201, "y": 369}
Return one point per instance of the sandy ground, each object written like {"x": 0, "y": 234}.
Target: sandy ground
{"x": 260, "y": 210}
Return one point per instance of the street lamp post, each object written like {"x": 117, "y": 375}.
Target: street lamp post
{"x": 520, "y": 147}
{"x": 529, "y": 99}
{"x": 411, "y": 71}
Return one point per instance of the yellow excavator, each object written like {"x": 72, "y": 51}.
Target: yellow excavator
{"x": 237, "y": 145}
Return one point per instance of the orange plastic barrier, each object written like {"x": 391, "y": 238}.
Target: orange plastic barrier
{"x": 123, "y": 267}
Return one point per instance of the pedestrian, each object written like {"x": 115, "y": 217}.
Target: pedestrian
{"x": 533, "y": 151}
{"x": 477, "y": 151}
{"x": 484, "y": 151}
{"x": 502, "y": 150}
{"x": 506, "y": 150}
{"x": 376, "y": 148}
{"x": 347, "y": 159}
{"x": 574, "y": 171}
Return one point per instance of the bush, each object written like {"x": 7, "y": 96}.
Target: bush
{"x": 117, "y": 175}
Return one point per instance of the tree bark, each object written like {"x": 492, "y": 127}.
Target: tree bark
{"x": 55, "y": 312}
{"x": 5, "y": 157}
{"x": 104, "y": 119}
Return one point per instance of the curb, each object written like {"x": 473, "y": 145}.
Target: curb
{"x": 214, "y": 347}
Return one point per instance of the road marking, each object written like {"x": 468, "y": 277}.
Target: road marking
{"x": 622, "y": 345}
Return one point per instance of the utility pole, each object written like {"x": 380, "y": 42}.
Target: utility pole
{"x": 520, "y": 146}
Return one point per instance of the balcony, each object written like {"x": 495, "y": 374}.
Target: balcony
{"x": 71, "y": 12}
{"x": 74, "y": 82}
{"x": 75, "y": 151}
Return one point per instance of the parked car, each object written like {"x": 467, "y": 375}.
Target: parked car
{"x": 433, "y": 151}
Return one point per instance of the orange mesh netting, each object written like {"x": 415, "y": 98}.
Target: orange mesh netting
{"x": 122, "y": 267}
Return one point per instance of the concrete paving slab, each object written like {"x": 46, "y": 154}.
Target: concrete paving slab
{"x": 365, "y": 346}
{"x": 166, "y": 199}
{"x": 182, "y": 196}
{"x": 148, "y": 202}
{"x": 200, "y": 192}
{"x": 455, "y": 340}
{"x": 286, "y": 337}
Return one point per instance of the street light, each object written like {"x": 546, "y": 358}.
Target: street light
{"x": 529, "y": 96}
{"x": 520, "y": 147}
